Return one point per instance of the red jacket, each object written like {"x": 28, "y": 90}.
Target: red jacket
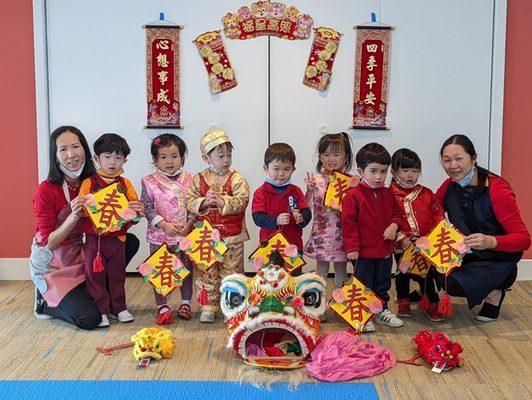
{"x": 267, "y": 200}
{"x": 366, "y": 213}
{"x": 505, "y": 208}
{"x": 421, "y": 209}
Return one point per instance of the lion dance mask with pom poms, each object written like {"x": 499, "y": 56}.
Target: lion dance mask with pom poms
{"x": 273, "y": 318}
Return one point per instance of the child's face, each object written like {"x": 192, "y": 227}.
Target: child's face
{"x": 220, "y": 158}
{"x": 168, "y": 159}
{"x": 333, "y": 158}
{"x": 408, "y": 175}
{"x": 374, "y": 174}
{"x": 110, "y": 163}
{"x": 279, "y": 171}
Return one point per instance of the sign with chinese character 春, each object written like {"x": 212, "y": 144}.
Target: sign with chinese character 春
{"x": 413, "y": 262}
{"x": 108, "y": 209}
{"x": 162, "y": 76}
{"x": 372, "y": 58}
{"x": 337, "y": 188}
{"x": 263, "y": 18}
{"x": 163, "y": 270}
{"x": 278, "y": 243}
{"x": 216, "y": 61}
{"x": 444, "y": 247}
{"x": 355, "y": 303}
{"x": 321, "y": 58}
{"x": 203, "y": 245}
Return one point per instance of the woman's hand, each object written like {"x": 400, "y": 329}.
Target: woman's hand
{"x": 479, "y": 241}
{"x": 77, "y": 208}
{"x": 138, "y": 207}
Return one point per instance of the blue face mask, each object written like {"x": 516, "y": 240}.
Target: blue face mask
{"x": 466, "y": 180}
{"x": 271, "y": 182}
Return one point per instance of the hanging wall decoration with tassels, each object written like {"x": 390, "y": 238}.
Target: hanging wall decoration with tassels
{"x": 321, "y": 58}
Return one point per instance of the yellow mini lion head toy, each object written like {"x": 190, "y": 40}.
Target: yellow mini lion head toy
{"x": 153, "y": 342}
{"x": 273, "y": 318}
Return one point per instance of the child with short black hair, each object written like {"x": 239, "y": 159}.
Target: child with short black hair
{"x": 421, "y": 212}
{"x": 106, "y": 285}
{"x": 370, "y": 220}
{"x": 164, "y": 194}
{"x": 279, "y": 205}
{"x": 219, "y": 195}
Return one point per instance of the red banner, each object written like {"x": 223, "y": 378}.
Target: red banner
{"x": 162, "y": 77}
{"x": 321, "y": 58}
{"x": 263, "y": 18}
{"x": 371, "y": 77}
{"x": 216, "y": 61}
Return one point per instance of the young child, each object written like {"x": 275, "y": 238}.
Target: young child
{"x": 219, "y": 195}
{"x": 370, "y": 219}
{"x": 107, "y": 287}
{"x": 422, "y": 211}
{"x": 278, "y": 205}
{"x": 325, "y": 243}
{"x": 164, "y": 195}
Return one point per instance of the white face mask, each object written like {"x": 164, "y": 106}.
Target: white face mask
{"x": 72, "y": 174}
{"x": 374, "y": 186}
{"x": 173, "y": 174}
{"x": 404, "y": 184}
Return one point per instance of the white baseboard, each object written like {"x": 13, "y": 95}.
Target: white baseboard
{"x": 17, "y": 269}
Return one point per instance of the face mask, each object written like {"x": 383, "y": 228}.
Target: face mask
{"x": 72, "y": 174}
{"x": 171, "y": 175}
{"x": 271, "y": 182}
{"x": 214, "y": 170}
{"x": 373, "y": 186}
{"x": 404, "y": 184}
{"x": 466, "y": 180}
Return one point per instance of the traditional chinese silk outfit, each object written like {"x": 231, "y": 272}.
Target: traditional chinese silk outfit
{"x": 491, "y": 210}
{"x": 228, "y": 219}
{"x": 107, "y": 287}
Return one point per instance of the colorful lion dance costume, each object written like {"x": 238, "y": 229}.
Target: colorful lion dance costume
{"x": 273, "y": 318}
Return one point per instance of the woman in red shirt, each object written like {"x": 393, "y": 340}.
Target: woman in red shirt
{"x": 483, "y": 207}
{"x": 56, "y": 261}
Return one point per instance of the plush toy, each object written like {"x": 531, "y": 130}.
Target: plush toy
{"x": 154, "y": 342}
{"x": 438, "y": 350}
{"x": 273, "y": 318}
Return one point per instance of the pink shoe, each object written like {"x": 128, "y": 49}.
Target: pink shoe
{"x": 403, "y": 308}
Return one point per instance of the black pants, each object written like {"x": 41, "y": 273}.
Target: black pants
{"x": 375, "y": 273}
{"x": 455, "y": 289}
{"x": 402, "y": 284}
{"x": 78, "y": 307}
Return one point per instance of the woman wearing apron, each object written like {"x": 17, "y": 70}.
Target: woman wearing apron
{"x": 483, "y": 207}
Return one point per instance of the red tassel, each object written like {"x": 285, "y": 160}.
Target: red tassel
{"x": 203, "y": 299}
{"x": 97, "y": 265}
{"x": 445, "y": 307}
{"x": 424, "y": 302}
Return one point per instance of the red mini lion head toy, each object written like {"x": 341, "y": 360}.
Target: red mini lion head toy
{"x": 437, "y": 348}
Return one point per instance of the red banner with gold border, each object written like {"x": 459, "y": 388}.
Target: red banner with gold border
{"x": 162, "y": 76}
{"x": 372, "y": 57}
{"x": 216, "y": 61}
{"x": 321, "y": 58}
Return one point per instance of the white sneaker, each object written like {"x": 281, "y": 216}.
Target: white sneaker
{"x": 38, "y": 306}
{"x": 370, "y": 327}
{"x": 388, "y": 318}
{"x": 124, "y": 316}
{"x": 104, "y": 323}
{"x": 207, "y": 317}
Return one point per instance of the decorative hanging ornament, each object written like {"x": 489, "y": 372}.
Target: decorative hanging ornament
{"x": 216, "y": 61}
{"x": 203, "y": 245}
{"x": 321, "y": 58}
{"x": 263, "y": 18}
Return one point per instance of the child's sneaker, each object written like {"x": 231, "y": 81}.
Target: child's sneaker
{"x": 38, "y": 306}
{"x": 124, "y": 316}
{"x": 370, "y": 327}
{"x": 403, "y": 308}
{"x": 164, "y": 315}
{"x": 433, "y": 314}
{"x": 207, "y": 317}
{"x": 386, "y": 317}
{"x": 104, "y": 323}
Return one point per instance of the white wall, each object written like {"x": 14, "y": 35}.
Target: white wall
{"x": 440, "y": 80}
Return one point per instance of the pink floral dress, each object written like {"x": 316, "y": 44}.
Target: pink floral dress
{"x": 325, "y": 242}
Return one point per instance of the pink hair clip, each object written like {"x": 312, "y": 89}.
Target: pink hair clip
{"x": 157, "y": 141}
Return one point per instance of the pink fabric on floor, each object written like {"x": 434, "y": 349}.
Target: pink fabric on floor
{"x": 341, "y": 356}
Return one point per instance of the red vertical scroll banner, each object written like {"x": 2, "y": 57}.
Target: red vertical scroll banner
{"x": 162, "y": 76}
{"x": 321, "y": 58}
{"x": 216, "y": 61}
{"x": 372, "y": 59}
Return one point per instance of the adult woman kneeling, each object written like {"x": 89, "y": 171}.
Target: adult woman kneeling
{"x": 483, "y": 207}
{"x": 56, "y": 261}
